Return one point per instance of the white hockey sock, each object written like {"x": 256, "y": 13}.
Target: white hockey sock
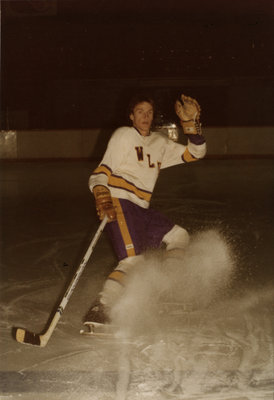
{"x": 115, "y": 283}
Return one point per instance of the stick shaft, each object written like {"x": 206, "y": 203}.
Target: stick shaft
{"x": 21, "y": 335}
{"x": 81, "y": 267}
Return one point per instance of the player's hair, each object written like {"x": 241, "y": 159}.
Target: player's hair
{"x": 137, "y": 99}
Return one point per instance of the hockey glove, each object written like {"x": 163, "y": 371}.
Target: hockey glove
{"x": 104, "y": 205}
{"x": 188, "y": 110}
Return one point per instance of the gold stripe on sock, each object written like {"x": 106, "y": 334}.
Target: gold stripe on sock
{"x": 117, "y": 276}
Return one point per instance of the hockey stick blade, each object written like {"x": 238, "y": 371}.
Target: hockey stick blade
{"x": 26, "y": 337}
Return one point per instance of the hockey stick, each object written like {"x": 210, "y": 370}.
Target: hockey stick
{"x": 27, "y": 337}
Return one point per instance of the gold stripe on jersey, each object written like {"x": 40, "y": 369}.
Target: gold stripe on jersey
{"x": 188, "y": 157}
{"x": 120, "y": 183}
{"x": 123, "y": 228}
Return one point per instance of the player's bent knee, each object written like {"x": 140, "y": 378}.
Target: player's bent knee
{"x": 177, "y": 237}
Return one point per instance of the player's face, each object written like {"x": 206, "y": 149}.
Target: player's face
{"x": 142, "y": 117}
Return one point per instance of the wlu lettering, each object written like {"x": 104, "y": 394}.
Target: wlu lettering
{"x": 140, "y": 157}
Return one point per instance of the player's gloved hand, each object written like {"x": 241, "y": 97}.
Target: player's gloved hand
{"x": 188, "y": 110}
{"x": 104, "y": 205}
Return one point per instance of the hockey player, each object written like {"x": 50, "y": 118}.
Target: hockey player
{"x": 123, "y": 184}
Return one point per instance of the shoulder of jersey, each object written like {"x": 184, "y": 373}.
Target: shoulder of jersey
{"x": 123, "y": 130}
{"x": 161, "y": 135}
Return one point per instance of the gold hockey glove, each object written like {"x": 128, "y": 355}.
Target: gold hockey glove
{"x": 104, "y": 205}
{"x": 189, "y": 110}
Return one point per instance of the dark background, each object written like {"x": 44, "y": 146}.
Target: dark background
{"x": 75, "y": 64}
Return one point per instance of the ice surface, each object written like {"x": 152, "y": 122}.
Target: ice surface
{"x": 193, "y": 325}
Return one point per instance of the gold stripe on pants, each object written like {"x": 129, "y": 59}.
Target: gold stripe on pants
{"x": 124, "y": 228}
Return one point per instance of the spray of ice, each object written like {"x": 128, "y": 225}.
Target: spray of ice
{"x": 192, "y": 277}
{"x": 191, "y": 332}
{"x": 165, "y": 282}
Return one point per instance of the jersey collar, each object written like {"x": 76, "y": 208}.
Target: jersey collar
{"x": 140, "y": 133}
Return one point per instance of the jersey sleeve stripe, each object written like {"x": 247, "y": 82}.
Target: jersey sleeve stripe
{"x": 102, "y": 169}
{"x": 188, "y": 157}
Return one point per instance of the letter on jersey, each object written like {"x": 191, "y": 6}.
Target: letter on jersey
{"x": 139, "y": 151}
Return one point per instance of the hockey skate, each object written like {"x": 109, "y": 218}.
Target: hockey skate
{"x": 97, "y": 322}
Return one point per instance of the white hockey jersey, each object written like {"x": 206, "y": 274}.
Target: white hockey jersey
{"x": 132, "y": 162}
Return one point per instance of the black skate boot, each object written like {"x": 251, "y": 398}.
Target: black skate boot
{"x": 96, "y": 321}
{"x": 96, "y": 315}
